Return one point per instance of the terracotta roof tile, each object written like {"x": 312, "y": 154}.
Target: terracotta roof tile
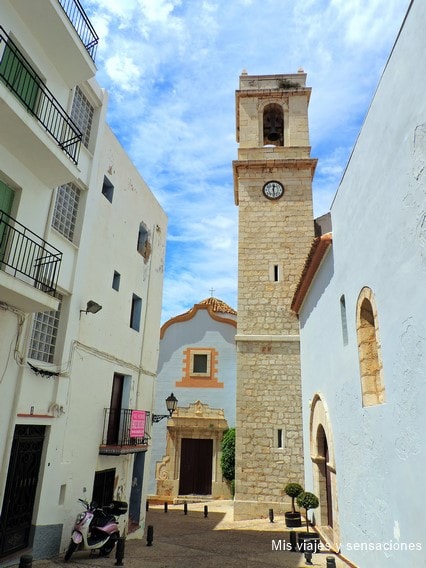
{"x": 316, "y": 254}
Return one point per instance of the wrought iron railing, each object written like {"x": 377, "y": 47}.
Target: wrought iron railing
{"x": 118, "y": 428}
{"x": 81, "y": 23}
{"x": 27, "y": 256}
{"x": 28, "y": 87}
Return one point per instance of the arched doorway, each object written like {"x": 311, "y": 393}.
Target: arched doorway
{"x": 324, "y": 471}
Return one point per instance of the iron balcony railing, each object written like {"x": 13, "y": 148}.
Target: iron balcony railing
{"x": 27, "y": 256}
{"x": 28, "y": 87}
{"x": 81, "y": 23}
{"x": 119, "y": 430}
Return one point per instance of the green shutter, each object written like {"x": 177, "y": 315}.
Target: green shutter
{"x": 6, "y": 201}
{"x": 6, "y": 198}
{"x": 19, "y": 76}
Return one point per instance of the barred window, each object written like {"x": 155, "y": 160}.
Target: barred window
{"x": 66, "y": 208}
{"x": 82, "y": 114}
{"x": 44, "y": 335}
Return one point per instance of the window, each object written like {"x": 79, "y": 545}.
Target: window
{"x": 280, "y": 438}
{"x": 66, "y": 208}
{"x": 116, "y": 281}
{"x": 107, "y": 189}
{"x": 135, "y": 314}
{"x": 19, "y": 76}
{"x": 44, "y": 335}
{"x": 200, "y": 363}
{"x": 200, "y": 368}
{"x": 344, "y": 320}
{"x": 82, "y": 114}
{"x": 372, "y": 385}
{"x": 144, "y": 247}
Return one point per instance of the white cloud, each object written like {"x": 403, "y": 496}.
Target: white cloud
{"x": 123, "y": 71}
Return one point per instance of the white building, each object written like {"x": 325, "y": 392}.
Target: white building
{"x": 361, "y": 307}
{"x": 79, "y": 229}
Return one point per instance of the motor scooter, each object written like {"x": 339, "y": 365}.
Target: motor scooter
{"x": 96, "y": 528}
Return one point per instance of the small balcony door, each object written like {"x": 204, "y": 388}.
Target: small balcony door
{"x": 6, "y": 201}
{"x": 113, "y": 434}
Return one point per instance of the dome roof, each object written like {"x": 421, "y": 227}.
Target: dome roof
{"x": 218, "y": 310}
{"x": 218, "y": 306}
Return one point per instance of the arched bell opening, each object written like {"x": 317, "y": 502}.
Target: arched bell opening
{"x": 273, "y": 125}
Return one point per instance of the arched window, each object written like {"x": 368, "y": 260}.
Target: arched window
{"x": 370, "y": 361}
{"x": 344, "y": 320}
{"x": 273, "y": 125}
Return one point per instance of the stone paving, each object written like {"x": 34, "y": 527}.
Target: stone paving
{"x": 196, "y": 541}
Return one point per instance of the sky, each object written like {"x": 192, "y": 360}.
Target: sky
{"x": 171, "y": 68}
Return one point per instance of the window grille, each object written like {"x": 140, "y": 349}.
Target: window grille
{"x": 82, "y": 114}
{"x": 66, "y": 208}
{"x": 44, "y": 335}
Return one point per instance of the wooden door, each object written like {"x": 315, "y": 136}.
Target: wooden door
{"x": 196, "y": 461}
{"x": 21, "y": 486}
{"x": 115, "y": 410}
{"x": 328, "y": 485}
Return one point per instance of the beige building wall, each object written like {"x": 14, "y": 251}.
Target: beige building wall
{"x": 274, "y": 238}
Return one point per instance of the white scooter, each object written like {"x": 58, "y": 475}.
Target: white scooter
{"x": 96, "y": 528}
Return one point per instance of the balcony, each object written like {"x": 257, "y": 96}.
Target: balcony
{"x": 29, "y": 268}
{"x": 28, "y": 87}
{"x": 125, "y": 431}
{"x": 81, "y": 23}
{"x": 65, "y": 33}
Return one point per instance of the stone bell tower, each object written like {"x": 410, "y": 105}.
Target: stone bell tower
{"x": 273, "y": 190}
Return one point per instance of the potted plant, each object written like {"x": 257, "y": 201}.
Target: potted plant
{"x": 308, "y": 541}
{"x": 292, "y": 518}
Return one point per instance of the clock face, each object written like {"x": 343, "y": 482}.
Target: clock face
{"x": 273, "y": 190}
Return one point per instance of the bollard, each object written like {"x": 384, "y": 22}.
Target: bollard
{"x": 25, "y": 561}
{"x": 308, "y": 558}
{"x": 119, "y": 551}
{"x": 271, "y": 515}
{"x": 185, "y": 508}
{"x": 147, "y": 505}
{"x": 331, "y": 562}
{"x": 149, "y": 535}
{"x": 166, "y": 506}
{"x": 293, "y": 541}
{"x": 206, "y": 511}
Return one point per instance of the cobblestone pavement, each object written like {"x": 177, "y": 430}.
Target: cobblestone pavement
{"x": 196, "y": 541}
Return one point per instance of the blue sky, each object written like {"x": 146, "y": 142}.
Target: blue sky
{"x": 171, "y": 68}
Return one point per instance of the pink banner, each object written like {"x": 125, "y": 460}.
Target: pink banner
{"x": 137, "y": 424}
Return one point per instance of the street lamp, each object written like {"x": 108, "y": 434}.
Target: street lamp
{"x": 171, "y": 405}
{"x": 91, "y": 308}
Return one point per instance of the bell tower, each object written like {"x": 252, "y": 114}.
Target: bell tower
{"x": 273, "y": 190}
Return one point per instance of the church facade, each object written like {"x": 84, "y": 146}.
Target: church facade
{"x": 197, "y": 364}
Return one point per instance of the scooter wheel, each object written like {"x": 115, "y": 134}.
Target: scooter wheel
{"x": 71, "y": 549}
{"x": 108, "y": 547}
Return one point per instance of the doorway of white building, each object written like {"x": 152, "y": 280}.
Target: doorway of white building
{"x": 21, "y": 487}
